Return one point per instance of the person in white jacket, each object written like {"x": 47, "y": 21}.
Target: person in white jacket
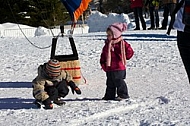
{"x": 183, "y": 40}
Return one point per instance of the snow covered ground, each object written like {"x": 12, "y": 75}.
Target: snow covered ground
{"x": 156, "y": 79}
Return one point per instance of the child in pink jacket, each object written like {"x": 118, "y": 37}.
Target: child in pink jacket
{"x": 113, "y": 61}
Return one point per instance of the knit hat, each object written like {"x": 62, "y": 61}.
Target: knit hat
{"x": 117, "y": 29}
{"x": 53, "y": 68}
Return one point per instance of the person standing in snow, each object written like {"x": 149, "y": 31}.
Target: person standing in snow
{"x": 153, "y": 6}
{"x": 52, "y": 83}
{"x": 169, "y": 6}
{"x": 183, "y": 37}
{"x": 137, "y": 6}
{"x": 113, "y": 61}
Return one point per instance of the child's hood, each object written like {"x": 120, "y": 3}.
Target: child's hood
{"x": 117, "y": 29}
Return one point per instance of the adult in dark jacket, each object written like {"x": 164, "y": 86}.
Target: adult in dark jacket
{"x": 169, "y": 6}
{"x": 113, "y": 60}
{"x": 183, "y": 37}
{"x": 137, "y": 6}
{"x": 153, "y": 6}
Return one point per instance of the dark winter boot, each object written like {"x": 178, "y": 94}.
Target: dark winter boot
{"x": 59, "y": 102}
{"x": 48, "y": 104}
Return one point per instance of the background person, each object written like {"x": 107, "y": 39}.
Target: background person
{"x": 153, "y": 6}
{"x": 183, "y": 37}
{"x": 169, "y": 6}
{"x": 137, "y": 6}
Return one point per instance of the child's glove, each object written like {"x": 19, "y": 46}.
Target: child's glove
{"x": 103, "y": 67}
{"x": 77, "y": 90}
{"x": 48, "y": 104}
{"x": 74, "y": 88}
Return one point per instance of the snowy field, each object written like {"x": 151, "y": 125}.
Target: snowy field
{"x": 156, "y": 80}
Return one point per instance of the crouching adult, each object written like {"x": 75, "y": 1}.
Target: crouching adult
{"x": 52, "y": 83}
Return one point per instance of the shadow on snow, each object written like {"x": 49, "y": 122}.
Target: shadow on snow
{"x": 15, "y": 84}
{"x": 139, "y": 37}
{"x": 16, "y": 103}
{"x": 85, "y": 99}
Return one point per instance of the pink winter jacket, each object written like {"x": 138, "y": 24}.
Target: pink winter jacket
{"x": 116, "y": 61}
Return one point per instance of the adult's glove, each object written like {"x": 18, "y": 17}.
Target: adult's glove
{"x": 74, "y": 88}
{"x": 48, "y": 104}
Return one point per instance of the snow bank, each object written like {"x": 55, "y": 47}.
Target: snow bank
{"x": 98, "y": 22}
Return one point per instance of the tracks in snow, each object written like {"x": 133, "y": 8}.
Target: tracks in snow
{"x": 123, "y": 108}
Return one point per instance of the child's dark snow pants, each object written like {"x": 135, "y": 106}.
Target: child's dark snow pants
{"x": 115, "y": 83}
{"x": 60, "y": 89}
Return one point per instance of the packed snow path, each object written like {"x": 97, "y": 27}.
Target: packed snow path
{"x": 156, "y": 79}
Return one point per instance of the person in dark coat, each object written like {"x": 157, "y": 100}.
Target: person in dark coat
{"x": 113, "y": 61}
{"x": 183, "y": 37}
{"x": 137, "y": 6}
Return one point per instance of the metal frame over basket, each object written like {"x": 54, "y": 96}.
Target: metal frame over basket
{"x": 69, "y": 63}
